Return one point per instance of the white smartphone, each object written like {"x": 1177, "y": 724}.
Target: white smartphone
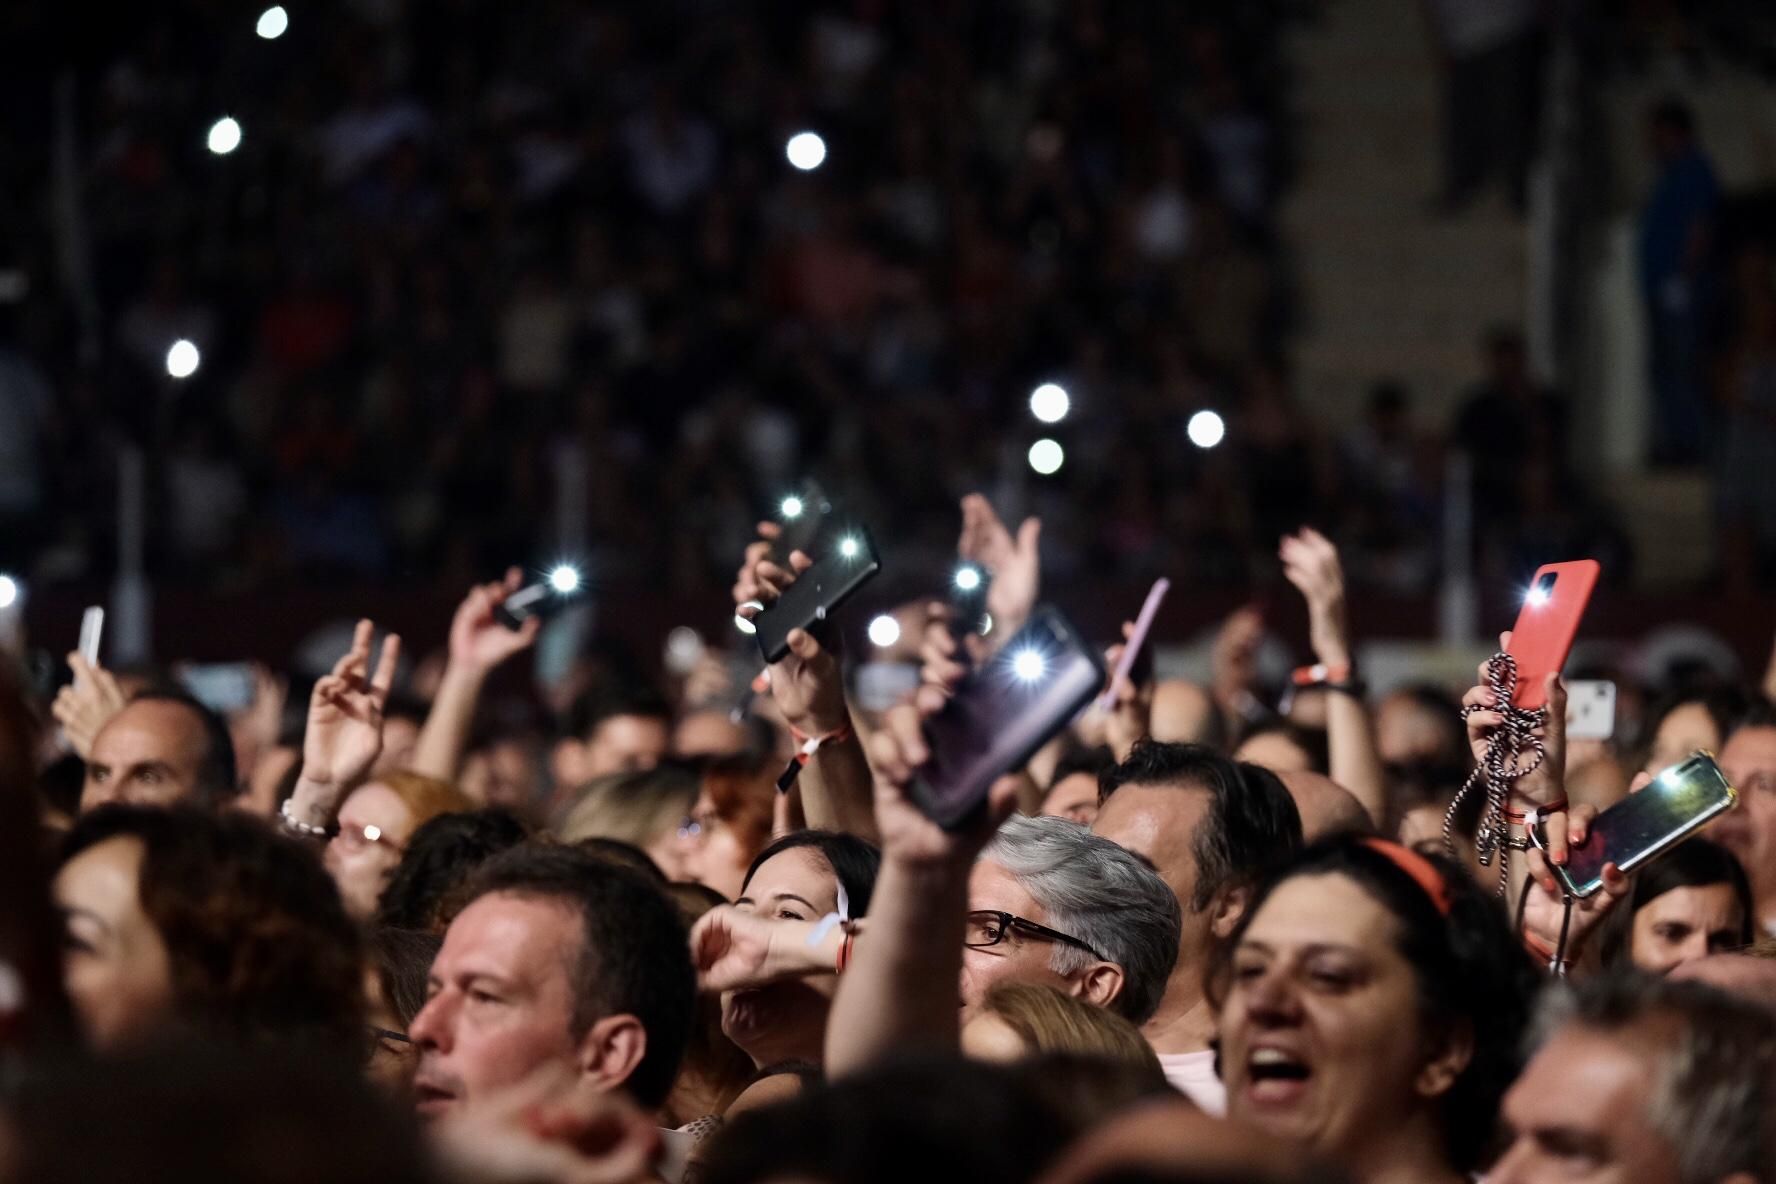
{"x": 1590, "y": 709}
{"x": 92, "y": 628}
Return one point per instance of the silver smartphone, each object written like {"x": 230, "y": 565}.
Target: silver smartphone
{"x": 1642, "y": 826}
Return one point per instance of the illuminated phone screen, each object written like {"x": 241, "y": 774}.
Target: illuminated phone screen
{"x": 1679, "y": 802}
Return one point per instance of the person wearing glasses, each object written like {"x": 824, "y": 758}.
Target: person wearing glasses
{"x": 375, "y": 822}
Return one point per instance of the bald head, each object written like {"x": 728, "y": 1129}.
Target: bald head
{"x": 1749, "y": 978}
{"x": 1184, "y": 713}
{"x": 160, "y": 750}
{"x": 1326, "y": 807}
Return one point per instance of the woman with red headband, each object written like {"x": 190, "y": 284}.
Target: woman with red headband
{"x": 1371, "y": 1007}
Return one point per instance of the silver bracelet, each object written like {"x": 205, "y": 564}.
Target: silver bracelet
{"x": 296, "y": 826}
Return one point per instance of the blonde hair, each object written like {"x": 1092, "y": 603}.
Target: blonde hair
{"x": 636, "y": 808}
{"x": 425, "y": 797}
{"x": 1048, "y": 1020}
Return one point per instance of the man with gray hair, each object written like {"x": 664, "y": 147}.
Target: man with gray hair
{"x": 1049, "y": 902}
{"x": 1649, "y": 1080}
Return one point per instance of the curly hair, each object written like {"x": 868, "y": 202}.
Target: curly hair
{"x": 258, "y": 942}
{"x": 424, "y": 891}
{"x": 1469, "y": 970}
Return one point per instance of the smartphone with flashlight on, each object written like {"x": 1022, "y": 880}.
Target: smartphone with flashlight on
{"x": 817, "y": 593}
{"x": 967, "y": 600}
{"x": 1547, "y": 625}
{"x": 802, "y": 516}
{"x": 1642, "y": 826}
{"x": 561, "y": 587}
{"x": 1006, "y": 709}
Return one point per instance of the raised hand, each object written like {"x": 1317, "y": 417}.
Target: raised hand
{"x": 733, "y": 948}
{"x": 86, "y": 704}
{"x": 344, "y": 735}
{"x": 1544, "y": 905}
{"x": 896, "y": 751}
{"x": 1015, "y": 563}
{"x": 1129, "y": 718}
{"x": 1310, "y": 562}
{"x": 478, "y": 642}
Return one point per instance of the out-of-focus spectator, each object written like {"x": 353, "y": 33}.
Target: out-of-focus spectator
{"x": 1491, "y": 64}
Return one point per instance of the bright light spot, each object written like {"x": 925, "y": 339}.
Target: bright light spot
{"x": 565, "y": 579}
{"x": 1049, "y": 403}
{"x": 745, "y": 625}
{"x": 806, "y": 151}
{"x": 884, "y": 631}
{"x": 225, "y": 136}
{"x": 986, "y": 624}
{"x": 848, "y": 548}
{"x": 1205, "y": 429}
{"x": 372, "y": 833}
{"x": 792, "y": 507}
{"x": 9, "y": 591}
{"x": 968, "y": 578}
{"x": 1536, "y": 596}
{"x": 1028, "y": 665}
{"x": 272, "y": 22}
{"x": 1046, "y": 457}
{"x": 182, "y": 359}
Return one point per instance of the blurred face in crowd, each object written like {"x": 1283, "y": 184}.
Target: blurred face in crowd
{"x": 1021, "y": 957}
{"x": 1749, "y": 761}
{"x": 1276, "y": 752}
{"x": 1320, "y": 1043}
{"x": 374, "y": 826}
{"x": 625, "y": 744}
{"x": 400, "y": 735}
{"x": 1685, "y": 924}
{"x": 786, "y": 1020}
{"x": 392, "y": 1061}
{"x": 708, "y": 733}
{"x": 115, "y": 966}
{"x": 500, "y": 1002}
{"x": 1579, "y": 1112}
{"x": 714, "y": 850}
{"x": 1685, "y": 728}
{"x": 1074, "y": 796}
{"x": 1406, "y": 731}
{"x": 150, "y": 754}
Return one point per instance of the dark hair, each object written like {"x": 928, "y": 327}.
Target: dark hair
{"x": 211, "y": 1111}
{"x": 257, "y": 940}
{"x": 1469, "y": 969}
{"x": 1758, "y": 713}
{"x": 852, "y": 860}
{"x": 591, "y": 709}
{"x": 216, "y": 774}
{"x": 403, "y": 959}
{"x": 983, "y": 1123}
{"x": 1691, "y": 864}
{"x": 1725, "y": 705}
{"x": 1093, "y": 761}
{"x": 623, "y": 855}
{"x": 1092, "y": 1089}
{"x": 441, "y": 855}
{"x": 634, "y": 956}
{"x": 1311, "y": 741}
{"x": 1252, "y": 821}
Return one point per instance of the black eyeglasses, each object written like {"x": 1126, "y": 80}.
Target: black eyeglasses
{"x": 385, "y": 1040}
{"x": 989, "y": 927}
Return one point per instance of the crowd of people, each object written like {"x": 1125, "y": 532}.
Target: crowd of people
{"x": 711, "y": 932}
{"x": 460, "y": 252}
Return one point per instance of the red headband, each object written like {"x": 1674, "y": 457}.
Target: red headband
{"x": 1424, "y": 873}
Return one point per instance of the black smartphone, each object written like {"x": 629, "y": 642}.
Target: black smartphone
{"x": 803, "y": 516}
{"x": 1005, "y": 710}
{"x": 1679, "y": 802}
{"x": 849, "y": 563}
{"x": 548, "y": 596}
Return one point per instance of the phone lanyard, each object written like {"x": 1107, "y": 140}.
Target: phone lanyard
{"x": 1557, "y": 959}
{"x": 1499, "y": 769}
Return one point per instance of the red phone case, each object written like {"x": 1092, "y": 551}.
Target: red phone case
{"x": 1544, "y": 632}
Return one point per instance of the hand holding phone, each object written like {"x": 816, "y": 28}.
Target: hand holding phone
{"x": 1131, "y": 648}
{"x": 1547, "y": 624}
{"x": 542, "y": 599}
{"x": 1676, "y": 804}
{"x": 1004, "y": 710}
{"x": 817, "y": 592}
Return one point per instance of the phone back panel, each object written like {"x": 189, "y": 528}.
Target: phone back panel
{"x": 1547, "y": 624}
{"x": 1677, "y": 803}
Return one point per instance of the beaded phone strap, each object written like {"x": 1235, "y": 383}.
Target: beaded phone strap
{"x": 1512, "y": 752}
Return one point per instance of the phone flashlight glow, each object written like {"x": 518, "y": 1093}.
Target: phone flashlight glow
{"x": 792, "y": 507}
{"x": 565, "y": 579}
{"x": 1028, "y": 665}
{"x": 968, "y": 578}
{"x": 848, "y": 548}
